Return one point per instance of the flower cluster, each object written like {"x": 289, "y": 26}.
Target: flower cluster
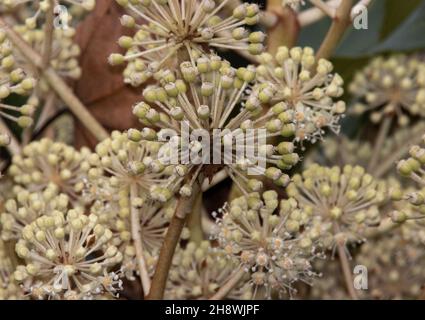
{"x": 344, "y": 201}
{"x": 204, "y": 102}
{"x": 188, "y": 28}
{"x": 115, "y": 213}
{"x": 199, "y": 271}
{"x": 120, "y": 162}
{"x": 45, "y": 162}
{"x": 271, "y": 240}
{"x": 331, "y": 285}
{"x": 395, "y": 268}
{"x": 342, "y": 150}
{"x": 26, "y": 207}
{"x": 392, "y": 87}
{"x": 305, "y": 88}
{"x": 64, "y": 52}
{"x": 410, "y": 202}
{"x": 67, "y": 256}
{"x": 412, "y": 167}
{"x": 13, "y": 80}
{"x": 9, "y": 290}
{"x": 34, "y": 9}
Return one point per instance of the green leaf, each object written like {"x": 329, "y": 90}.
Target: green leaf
{"x": 395, "y": 14}
{"x": 410, "y": 35}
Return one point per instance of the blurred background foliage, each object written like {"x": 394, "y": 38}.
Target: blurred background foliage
{"x": 393, "y": 26}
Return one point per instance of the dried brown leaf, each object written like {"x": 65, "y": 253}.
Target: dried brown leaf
{"x": 101, "y": 87}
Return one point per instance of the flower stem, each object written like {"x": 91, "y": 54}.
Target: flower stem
{"x": 341, "y": 21}
{"x": 136, "y": 234}
{"x": 194, "y": 221}
{"x": 56, "y": 83}
{"x": 386, "y": 226}
{"x": 380, "y": 139}
{"x": 171, "y": 240}
{"x": 229, "y": 285}
{"x": 345, "y": 265}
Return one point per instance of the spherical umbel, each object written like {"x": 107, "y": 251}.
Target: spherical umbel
{"x": 182, "y": 28}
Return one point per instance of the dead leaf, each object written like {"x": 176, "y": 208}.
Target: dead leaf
{"x": 101, "y": 87}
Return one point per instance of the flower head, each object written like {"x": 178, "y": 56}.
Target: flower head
{"x": 341, "y": 150}
{"x": 412, "y": 167}
{"x": 199, "y": 271}
{"x": 34, "y": 9}
{"x": 9, "y": 290}
{"x": 343, "y": 201}
{"x": 305, "y": 89}
{"x": 26, "y": 207}
{"x": 153, "y": 218}
{"x": 392, "y": 87}
{"x": 46, "y": 162}
{"x": 64, "y": 53}
{"x": 183, "y": 27}
{"x": 120, "y": 162}
{"x": 410, "y": 201}
{"x": 395, "y": 267}
{"x": 203, "y": 105}
{"x": 66, "y": 254}
{"x": 271, "y": 241}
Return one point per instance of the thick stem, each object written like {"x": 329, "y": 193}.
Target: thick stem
{"x": 171, "y": 240}
{"x": 229, "y": 285}
{"x": 286, "y": 29}
{"x": 56, "y": 83}
{"x": 345, "y": 265}
{"x": 194, "y": 221}
{"x": 136, "y": 234}
{"x": 380, "y": 139}
{"x": 14, "y": 147}
{"x": 341, "y": 22}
